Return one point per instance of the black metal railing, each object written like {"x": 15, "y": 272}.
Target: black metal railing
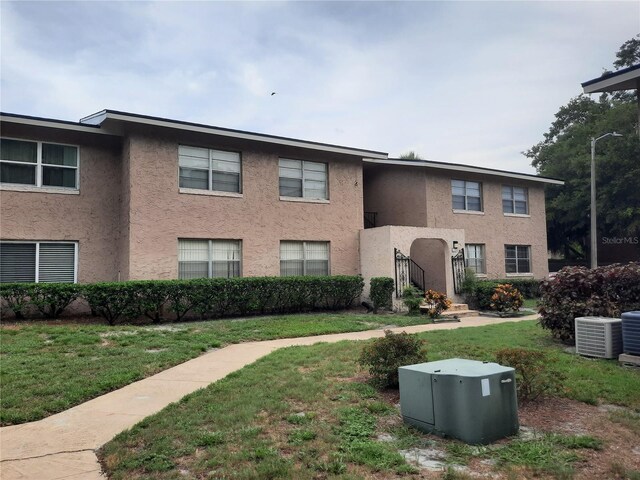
{"x": 370, "y": 219}
{"x": 407, "y": 272}
{"x": 457, "y": 265}
{"x": 416, "y": 272}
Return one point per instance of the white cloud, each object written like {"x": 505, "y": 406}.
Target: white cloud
{"x": 468, "y": 82}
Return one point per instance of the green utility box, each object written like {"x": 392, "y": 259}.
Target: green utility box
{"x": 472, "y": 401}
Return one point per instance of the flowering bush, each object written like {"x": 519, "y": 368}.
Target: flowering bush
{"x": 506, "y": 298}
{"x": 436, "y": 303}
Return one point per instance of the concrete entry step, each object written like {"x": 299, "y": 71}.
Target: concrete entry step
{"x": 457, "y": 309}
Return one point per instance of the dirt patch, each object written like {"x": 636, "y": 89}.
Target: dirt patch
{"x": 561, "y": 415}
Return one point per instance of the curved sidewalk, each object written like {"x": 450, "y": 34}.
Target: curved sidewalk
{"x": 63, "y": 445}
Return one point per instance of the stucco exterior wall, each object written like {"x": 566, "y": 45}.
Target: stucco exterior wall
{"x": 377, "y": 248}
{"x": 90, "y": 217}
{"x": 493, "y": 228}
{"x": 432, "y": 207}
{"x": 160, "y": 214}
{"x": 397, "y": 197}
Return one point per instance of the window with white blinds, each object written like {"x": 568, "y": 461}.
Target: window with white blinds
{"x": 45, "y": 262}
{"x": 209, "y": 258}
{"x": 207, "y": 169}
{"x": 303, "y": 179}
{"x": 304, "y": 258}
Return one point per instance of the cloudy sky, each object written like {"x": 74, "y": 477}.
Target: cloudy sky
{"x": 466, "y": 82}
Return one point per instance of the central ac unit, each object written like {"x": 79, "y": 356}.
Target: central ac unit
{"x": 599, "y": 337}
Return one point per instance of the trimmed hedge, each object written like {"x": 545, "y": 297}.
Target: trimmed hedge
{"x": 579, "y": 291}
{"x": 206, "y": 298}
{"x": 381, "y": 293}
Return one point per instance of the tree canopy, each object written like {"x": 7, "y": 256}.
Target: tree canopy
{"x": 565, "y": 153}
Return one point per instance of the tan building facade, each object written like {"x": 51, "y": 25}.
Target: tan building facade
{"x": 120, "y": 196}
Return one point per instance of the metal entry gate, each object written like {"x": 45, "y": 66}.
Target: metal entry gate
{"x": 457, "y": 264}
{"x": 402, "y": 271}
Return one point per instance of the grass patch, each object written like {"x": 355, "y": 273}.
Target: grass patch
{"x": 531, "y": 303}
{"x": 257, "y": 413}
{"x": 49, "y": 368}
{"x": 629, "y": 419}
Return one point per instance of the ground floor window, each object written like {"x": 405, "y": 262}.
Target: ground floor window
{"x": 475, "y": 257}
{"x": 517, "y": 258}
{"x": 209, "y": 258}
{"x": 304, "y": 258}
{"x": 44, "y": 262}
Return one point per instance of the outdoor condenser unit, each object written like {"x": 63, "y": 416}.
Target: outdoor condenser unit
{"x": 473, "y": 401}
{"x": 631, "y": 333}
{"x": 598, "y": 337}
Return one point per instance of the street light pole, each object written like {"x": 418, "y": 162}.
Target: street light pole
{"x": 594, "y": 234}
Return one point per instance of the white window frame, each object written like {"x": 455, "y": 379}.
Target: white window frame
{"x": 474, "y": 247}
{"x": 517, "y": 258}
{"x": 466, "y": 196}
{"x": 40, "y": 165}
{"x": 37, "y": 259}
{"x": 512, "y": 200}
{"x": 210, "y": 254}
{"x": 303, "y": 178}
{"x": 304, "y": 255}
{"x": 211, "y": 170}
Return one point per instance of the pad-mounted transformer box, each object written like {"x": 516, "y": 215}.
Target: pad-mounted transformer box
{"x": 469, "y": 400}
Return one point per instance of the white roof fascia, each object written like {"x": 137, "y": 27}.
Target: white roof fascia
{"x": 240, "y": 135}
{"x": 608, "y": 82}
{"x": 46, "y": 123}
{"x": 466, "y": 169}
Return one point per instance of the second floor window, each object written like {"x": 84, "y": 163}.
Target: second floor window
{"x": 514, "y": 200}
{"x": 303, "y": 179}
{"x": 475, "y": 258}
{"x": 207, "y": 169}
{"x": 466, "y": 195}
{"x": 38, "y": 164}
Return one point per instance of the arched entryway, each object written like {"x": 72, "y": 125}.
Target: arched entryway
{"x": 432, "y": 255}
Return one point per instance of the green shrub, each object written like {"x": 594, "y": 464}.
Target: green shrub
{"x": 112, "y": 300}
{"x": 579, "y": 291}
{"x": 506, "y": 298}
{"x": 412, "y": 298}
{"x": 383, "y": 356}
{"x": 533, "y": 375}
{"x": 478, "y": 293}
{"x": 381, "y": 293}
{"x": 16, "y": 297}
{"x": 51, "y": 299}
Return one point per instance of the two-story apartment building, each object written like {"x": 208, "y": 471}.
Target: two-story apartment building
{"x": 120, "y": 196}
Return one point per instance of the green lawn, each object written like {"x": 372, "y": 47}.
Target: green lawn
{"x": 531, "y": 303}
{"x": 319, "y": 418}
{"x": 45, "y": 369}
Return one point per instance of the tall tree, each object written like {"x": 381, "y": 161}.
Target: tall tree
{"x": 411, "y": 155}
{"x": 565, "y": 153}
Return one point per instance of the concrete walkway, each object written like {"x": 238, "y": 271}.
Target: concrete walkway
{"x": 63, "y": 446}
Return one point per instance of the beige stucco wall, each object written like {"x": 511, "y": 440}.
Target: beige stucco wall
{"x": 432, "y": 207}
{"x": 377, "y": 247}
{"x": 90, "y": 218}
{"x": 160, "y": 214}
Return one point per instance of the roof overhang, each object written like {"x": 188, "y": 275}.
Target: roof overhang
{"x": 51, "y": 123}
{"x": 465, "y": 169}
{"x": 625, "y": 79}
{"x": 99, "y": 118}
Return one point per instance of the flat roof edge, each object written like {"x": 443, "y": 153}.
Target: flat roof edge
{"x": 51, "y": 123}
{"x": 611, "y": 75}
{"x": 261, "y": 137}
{"x": 466, "y": 168}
